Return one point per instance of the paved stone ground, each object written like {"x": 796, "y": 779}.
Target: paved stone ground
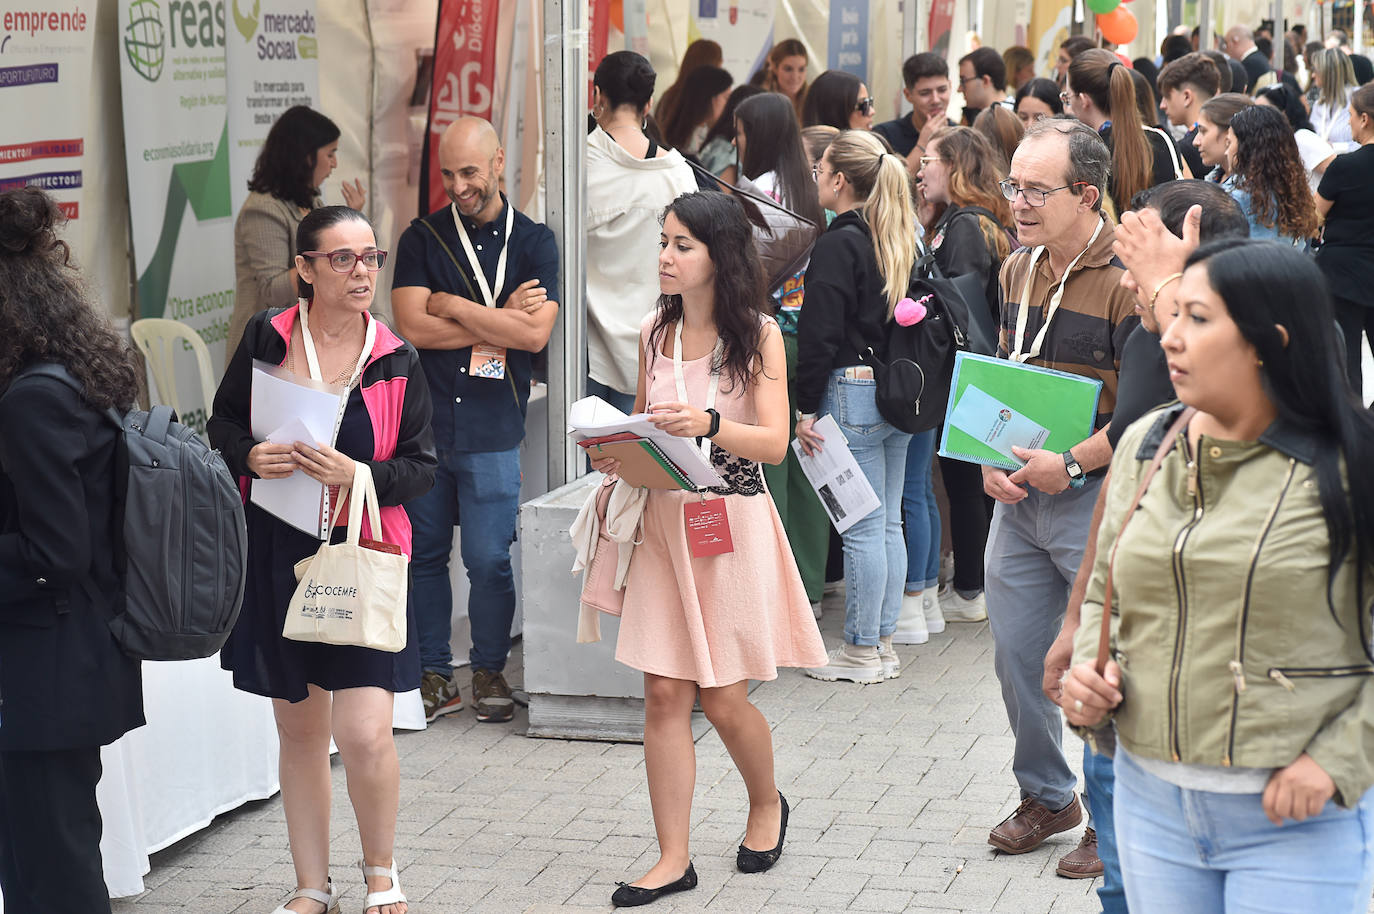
{"x": 893, "y": 789}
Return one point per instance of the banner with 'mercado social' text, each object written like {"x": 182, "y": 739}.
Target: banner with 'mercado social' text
{"x": 172, "y": 83}
{"x": 45, "y": 89}
{"x": 464, "y": 79}
{"x": 272, "y": 58}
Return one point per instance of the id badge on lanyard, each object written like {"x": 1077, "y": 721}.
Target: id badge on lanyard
{"x": 708, "y": 527}
{"x": 1018, "y": 353}
{"x": 488, "y": 360}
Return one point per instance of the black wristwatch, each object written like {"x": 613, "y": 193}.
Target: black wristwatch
{"x": 715, "y": 423}
{"x": 1076, "y": 477}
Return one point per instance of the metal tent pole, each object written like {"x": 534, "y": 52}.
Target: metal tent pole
{"x": 565, "y": 179}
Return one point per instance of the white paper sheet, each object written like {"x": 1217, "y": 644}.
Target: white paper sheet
{"x": 286, "y": 408}
{"x": 592, "y": 417}
{"x": 842, "y": 487}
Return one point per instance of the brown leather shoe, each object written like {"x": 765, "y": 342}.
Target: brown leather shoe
{"x": 1028, "y": 827}
{"x": 1082, "y": 862}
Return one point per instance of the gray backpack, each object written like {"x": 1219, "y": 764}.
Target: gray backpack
{"x": 182, "y": 554}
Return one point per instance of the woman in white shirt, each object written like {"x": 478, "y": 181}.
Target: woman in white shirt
{"x": 630, "y": 181}
{"x": 1316, "y": 152}
{"x": 1334, "y": 75}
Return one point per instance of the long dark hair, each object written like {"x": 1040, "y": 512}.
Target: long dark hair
{"x": 830, "y": 99}
{"x": 315, "y": 224}
{"x": 1287, "y": 101}
{"x": 1046, "y": 90}
{"x": 1094, "y": 73}
{"x": 286, "y": 165}
{"x": 724, "y": 127}
{"x": 45, "y": 315}
{"x": 718, "y": 221}
{"x": 1270, "y": 168}
{"x": 1265, "y": 284}
{"x": 773, "y": 142}
{"x": 693, "y": 109}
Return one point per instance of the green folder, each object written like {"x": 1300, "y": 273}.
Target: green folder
{"x": 1063, "y": 404}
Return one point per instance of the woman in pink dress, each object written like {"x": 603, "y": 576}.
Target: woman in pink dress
{"x": 712, "y": 368}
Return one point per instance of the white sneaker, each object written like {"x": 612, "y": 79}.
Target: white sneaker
{"x": 892, "y": 664}
{"x": 851, "y": 663}
{"x": 930, "y": 608}
{"x": 911, "y": 624}
{"x": 956, "y": 609}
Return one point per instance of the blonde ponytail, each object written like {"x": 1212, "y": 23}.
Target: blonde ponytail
{"x": 881, "y": 181}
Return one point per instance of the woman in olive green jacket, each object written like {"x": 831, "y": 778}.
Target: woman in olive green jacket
{"x": 1241, "y": 680}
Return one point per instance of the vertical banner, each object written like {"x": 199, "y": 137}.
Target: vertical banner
{"x": 172, "y": 84}
{"x": 742, "y": 28}
{"x": 941, "y": 21}
{"x": 599, "y": 15}
{"x": 271, "y": 58}
{"x": 633, "y": 22}
{"x": 45, "y": 89}
{"x": 464, "y": 78}
{"x": 848, "y": 45}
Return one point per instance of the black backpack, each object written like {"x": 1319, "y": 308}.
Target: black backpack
{"x": 182, "y": 550}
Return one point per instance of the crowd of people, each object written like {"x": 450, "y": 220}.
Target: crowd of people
{"x": 1187, "y": 585}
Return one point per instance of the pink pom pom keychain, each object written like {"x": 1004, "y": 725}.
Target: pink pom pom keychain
{"x": 911, "y": 311}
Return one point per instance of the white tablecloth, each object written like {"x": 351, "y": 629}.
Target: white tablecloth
{"x": 207, "y": 749}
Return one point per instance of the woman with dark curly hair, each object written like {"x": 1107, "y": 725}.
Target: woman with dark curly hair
{"x": 711, "y": 368}
{"x": 298, "y": 154}
{"x": 1316, "y": 152}
{"x": 68, "y": 688}
{"x": 1266, "y": 176}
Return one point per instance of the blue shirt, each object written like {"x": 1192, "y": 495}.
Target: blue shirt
{"x": 1231, "y": 184}
{"x": 476, "y": 414}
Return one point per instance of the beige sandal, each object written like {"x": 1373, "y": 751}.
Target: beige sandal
{"x": 328, "y": 898}
{"x": 381, "y": 899}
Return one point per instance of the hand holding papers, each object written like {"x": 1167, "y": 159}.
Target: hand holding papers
{"x": 995, "y": 404}
{"x": 835, "y": 475}
{"x": 649, "y": 457}
{"x": 286, "y": 408}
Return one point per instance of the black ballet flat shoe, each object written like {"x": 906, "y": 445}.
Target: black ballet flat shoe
{"x": 632, "y": 896}
{"x": 751, "y": 861}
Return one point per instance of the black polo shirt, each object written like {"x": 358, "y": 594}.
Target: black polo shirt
{"x": 902, "y": 134}
{"x": 476, "y": 414}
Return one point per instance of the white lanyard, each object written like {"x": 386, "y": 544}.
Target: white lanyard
{"x": 312, "y": 360}
{"x": 488, "y": 298}
{"x": 680, "y": 380}
{"x": 1023, "y": 310}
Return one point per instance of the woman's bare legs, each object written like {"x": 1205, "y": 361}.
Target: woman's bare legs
{"x": 671, "y": 761}
{"x": 745, "y": 733}
{"x": 303, "y": 732}
{"x": 362, "y": 731}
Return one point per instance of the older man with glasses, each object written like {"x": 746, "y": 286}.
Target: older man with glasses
{"x": 1063, "y": 308}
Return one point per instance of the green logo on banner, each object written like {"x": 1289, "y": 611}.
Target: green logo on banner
{"x": 247, "y": 25}
{"x": 144, "y": 39}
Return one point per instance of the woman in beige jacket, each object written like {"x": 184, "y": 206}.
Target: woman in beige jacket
{"x": 300, "y": 152}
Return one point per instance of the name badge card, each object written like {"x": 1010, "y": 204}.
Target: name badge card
{"x": 488, "y": 361}
{"x": 708, "y": 529}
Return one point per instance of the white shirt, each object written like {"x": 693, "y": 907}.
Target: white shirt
{"x": 625, "y": 198}
{"x": 1332, "y": 123}
{"x": 1314, "y": 150}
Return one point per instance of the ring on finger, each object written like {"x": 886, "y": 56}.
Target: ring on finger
{"x": 1078, "y": 705}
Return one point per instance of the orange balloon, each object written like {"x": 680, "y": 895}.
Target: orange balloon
{"x": 1119, "y": 26}
{"x": 618, "y": 15}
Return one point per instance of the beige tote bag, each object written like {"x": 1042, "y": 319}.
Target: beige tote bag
{"x": 354, "y": 592}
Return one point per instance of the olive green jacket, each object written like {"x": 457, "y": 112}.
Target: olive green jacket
{"x": 1229, "y": 651}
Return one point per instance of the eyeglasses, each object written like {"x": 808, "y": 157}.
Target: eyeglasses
{"x": 1034, "y": 196}
{"x": 864, "y": 105}
{"x": 345, "y": 261}
{"x": 967, "y": 79}
{"x": 926, "y": 160}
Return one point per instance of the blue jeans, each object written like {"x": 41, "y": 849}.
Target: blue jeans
{"x": 621, "y": 401}
{"x": 1099, "y": 782}
{"x": 922, "y": 514}
{"x": 485, "y": 487}
{"x": 874, "y": 553}
{"x": 1197, "y": 852}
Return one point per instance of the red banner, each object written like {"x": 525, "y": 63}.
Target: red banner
{"x": 941, "y": 18}
{"x": 464, "y": 75}
{"x": 600, "y": 13}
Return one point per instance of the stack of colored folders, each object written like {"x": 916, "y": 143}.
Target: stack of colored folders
{"x": 642, "y": 463}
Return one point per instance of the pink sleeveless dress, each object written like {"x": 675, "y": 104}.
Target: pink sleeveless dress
{"x": 726, "y": 618}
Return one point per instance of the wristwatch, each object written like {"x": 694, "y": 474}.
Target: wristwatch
{"x": 801, "y": 416}
{"x": 1076, "y": 477}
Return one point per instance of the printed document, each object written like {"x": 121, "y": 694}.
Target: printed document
{"x": 995, "y": 424}
{"x": 835, "y": 475}
{"x": 593, "y": 417}
{"x": 286, "y": 408}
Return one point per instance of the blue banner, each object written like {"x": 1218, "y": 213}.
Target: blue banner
{"x": 848, "y": 48}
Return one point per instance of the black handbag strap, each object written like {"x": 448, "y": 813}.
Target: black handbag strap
{"x": 750, "y": 195}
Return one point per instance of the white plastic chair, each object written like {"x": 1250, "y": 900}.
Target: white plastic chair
{"x": 160, "y": 340}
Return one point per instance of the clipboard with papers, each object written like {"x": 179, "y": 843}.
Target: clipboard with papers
{"x": 286, "y": 408}
{"x": 649, "y": 458}
{"x": 995, "y": 404}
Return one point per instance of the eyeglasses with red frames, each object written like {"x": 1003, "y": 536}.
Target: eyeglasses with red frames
{"x": 345, "y": 261}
